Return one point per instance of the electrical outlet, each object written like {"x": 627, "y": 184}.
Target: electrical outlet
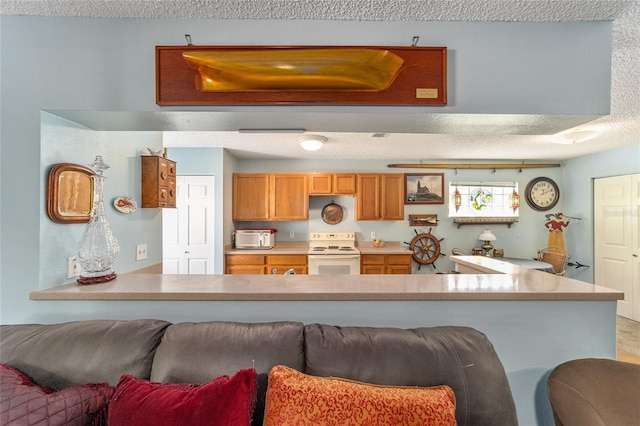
{"x": 292, "y": 234}
{"x": 73, "y": 267}
{"x": 141, "y": 252}
{"x": 373, "y": 234}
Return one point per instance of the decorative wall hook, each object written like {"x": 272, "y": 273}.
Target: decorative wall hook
{"x": 188, "y": 38}
{"x": 414, "y": 41}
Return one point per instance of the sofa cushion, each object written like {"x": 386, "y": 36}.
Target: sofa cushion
{"x": 294, "y": 398}
{"x": 460, "y": 357}
{"x": 62, "y": 355}
{"x": 224, "y": 401}
{"x": 206, "y": 350}
{"x": 22, "y": 402}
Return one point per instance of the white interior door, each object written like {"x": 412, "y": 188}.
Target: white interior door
{"x": 187, "y": 230}
{"x": 616, "y": 240}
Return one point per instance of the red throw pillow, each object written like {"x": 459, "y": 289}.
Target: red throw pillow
{"x": 23, "y": 402}
{"x": 225, "y": 401}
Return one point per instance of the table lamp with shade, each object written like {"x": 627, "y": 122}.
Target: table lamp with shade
{"x": 487, "y": 237}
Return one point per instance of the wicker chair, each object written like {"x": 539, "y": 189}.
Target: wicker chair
{"x": 556, "y": 259}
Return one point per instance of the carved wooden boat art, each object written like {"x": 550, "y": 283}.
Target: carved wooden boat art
{"x": 300, "y": 69}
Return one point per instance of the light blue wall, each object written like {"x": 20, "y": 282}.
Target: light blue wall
{"x": 108, "y": 65}
{"x": 206, "y": 162}
{"x": 62, "y": 142}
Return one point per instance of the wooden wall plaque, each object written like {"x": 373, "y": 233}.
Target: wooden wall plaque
{"x": 419, "y": 80}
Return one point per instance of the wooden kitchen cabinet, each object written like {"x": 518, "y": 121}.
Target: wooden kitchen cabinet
{"x": 245, "y": 264}
{"x": 399, "y": 264}
{"x": 385, "y": 264}
{"x": 265, "y": 264}
{"x": 251, "y": 196}
{"x": 263, "y": 196}
{"x": 392, "y": 196}
{"x": 332, "y": 184}
{"x": 279, "y": 264}
{"x": 380, "y": 196}
{"x": 289, "y": 197}
{"x": 158, "y": 188}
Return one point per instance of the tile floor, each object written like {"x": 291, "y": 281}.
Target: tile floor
{"x": 628, "y": 337}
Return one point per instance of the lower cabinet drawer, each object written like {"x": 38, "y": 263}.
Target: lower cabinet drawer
{"x": 373, "y": 259}
{"x": 290, "y": 259}
{"x": 399, "y": 259}
{"x": 245, "y": 259}
{"x": 246, "y": 269}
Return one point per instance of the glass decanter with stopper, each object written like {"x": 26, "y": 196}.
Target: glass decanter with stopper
{"x": 97, "y": 248}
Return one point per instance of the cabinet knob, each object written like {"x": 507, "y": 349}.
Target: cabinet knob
{"x": 274, "y": 271}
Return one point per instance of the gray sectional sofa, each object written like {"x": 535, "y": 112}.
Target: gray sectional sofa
{"x": 68, "y": 354}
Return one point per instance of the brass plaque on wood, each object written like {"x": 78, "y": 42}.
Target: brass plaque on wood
{"x": 426, "y": 219}
{"x": 304, "y": 75}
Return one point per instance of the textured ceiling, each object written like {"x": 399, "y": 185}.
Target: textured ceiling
{"x": 620, "y": 128}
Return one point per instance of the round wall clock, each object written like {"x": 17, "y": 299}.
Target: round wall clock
{"x": 542, "y": 193}
{"x": 332, "y": 213}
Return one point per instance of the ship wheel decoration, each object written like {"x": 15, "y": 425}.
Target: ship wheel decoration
{"x": 425, "y": 248}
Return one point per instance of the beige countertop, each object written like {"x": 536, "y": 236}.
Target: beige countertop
{"x": 507, "y": 282}
{"x": 302, "y": 247}
{"x": 281, "y": 247}
{"x": 390, "y": 247}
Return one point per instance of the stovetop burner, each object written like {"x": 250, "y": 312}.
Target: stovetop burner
{"x": 332, "y": 243}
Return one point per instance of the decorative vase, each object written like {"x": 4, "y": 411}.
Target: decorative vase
{"x": 97, "y": 248}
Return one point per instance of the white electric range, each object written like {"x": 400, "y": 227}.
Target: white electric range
{"x": 333, "y": 253}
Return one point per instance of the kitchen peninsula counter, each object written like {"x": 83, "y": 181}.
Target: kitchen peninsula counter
{"x": 501, "y": 282}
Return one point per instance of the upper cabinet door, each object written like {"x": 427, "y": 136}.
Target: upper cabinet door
{"x": 251, "y": 196}
{"x": 344, "y": 183}
{"x": 289, "y": 197}
{"x": 368, "y": 197}
{"x": 320, "y": 184}
{"x": 392, "y": 196}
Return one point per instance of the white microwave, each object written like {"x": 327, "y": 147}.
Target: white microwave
{"x": 254, "y": 238}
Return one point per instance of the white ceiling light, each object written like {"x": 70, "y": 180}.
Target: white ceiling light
{"x": 312, "y": 142}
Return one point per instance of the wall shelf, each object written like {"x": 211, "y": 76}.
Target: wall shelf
{"x": 485, "y": 221}
{"x": 517, "y": 166}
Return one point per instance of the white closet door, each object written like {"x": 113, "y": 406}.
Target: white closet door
{"x": 616, "y": 241}
{"x": 187, "y": 230}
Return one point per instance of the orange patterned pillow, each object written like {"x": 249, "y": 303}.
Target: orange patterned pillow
{"x": 294, "y": 398}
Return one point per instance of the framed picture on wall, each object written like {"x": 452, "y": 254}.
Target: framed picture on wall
{"x": 69, "y": 193}
{"x": 424, "y": 188}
